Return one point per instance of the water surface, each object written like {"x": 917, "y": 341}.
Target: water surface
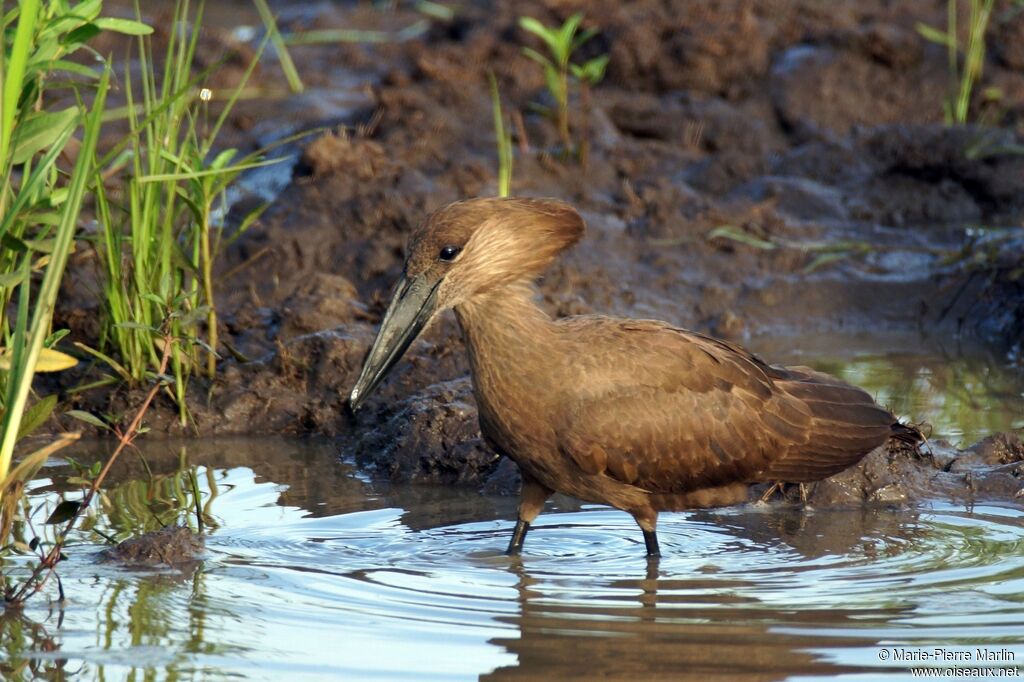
{"x": 312, "y": 571}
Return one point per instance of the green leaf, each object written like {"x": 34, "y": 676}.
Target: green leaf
{"x": 549, "y": 36}
{"x": 737, "y": 235}
{"x": 58, "y": 196}
{"x": 82, "y": 13}
{"x": 126, "y": 26}
{"x": 192, "y": 317}
{"x": 223, "y": 159}
{"x": 87, "y": 417}
{"x": 593, "y": 70}
{"x": 36, "y": 415}
{"x": 14, "y": 69}
{"x": 55, "y": 337}
{"x": 50, "y": 218}
{"x": 111, "y": 362}
{"x": 9, "y": 241}
{"x": 9, "y": 280}
{"x": 565, "y": 34}
{"x": 82, "y": 34}
{"x": 65, "y": 511}
{"x": 40, "y": 245}
{"x": 164, "y": 177}
{"x": 583, "y": 38}
{"x": 536, "y": 28}
{"x": 936, "y": 36}
{"x": 71, "y": 67}
{"x": 536, "y": 56}
{"x": 823, "y": 259}
{"x": 39, "y": 130}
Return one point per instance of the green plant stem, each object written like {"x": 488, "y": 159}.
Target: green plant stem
{"x": 206, "y": 260}
{"x": 283, "y": 56}
{"x": 504, "y": 141}
{"x": 563, "y": 107}
{"x": 584, "y": 124}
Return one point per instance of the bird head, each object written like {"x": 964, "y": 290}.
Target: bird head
{"x": 461, "y": 252}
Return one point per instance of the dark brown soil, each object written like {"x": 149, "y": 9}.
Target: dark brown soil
{"x": 794, "y": 122}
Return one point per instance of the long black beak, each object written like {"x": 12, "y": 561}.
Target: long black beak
{"x": 412, "y": 306}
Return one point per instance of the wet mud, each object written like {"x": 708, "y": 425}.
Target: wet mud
{"x": 800, "y": 125}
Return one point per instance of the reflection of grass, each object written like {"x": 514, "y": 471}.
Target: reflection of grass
{"x": 147, "y": 504}
{"x": 963, "y": 399}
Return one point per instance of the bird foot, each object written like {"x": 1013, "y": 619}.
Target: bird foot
{"x": 775, "y": 487}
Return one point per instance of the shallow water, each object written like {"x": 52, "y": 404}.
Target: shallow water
{"x": 963, "y": 392}
{"x": 312, "y": 572}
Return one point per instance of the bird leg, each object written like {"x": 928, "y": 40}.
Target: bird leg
{"x": 531, "y": 502}
{"x": 775, "y": 487}
{"x": 648, "y": 521}
{"x": 651, "y": 540}
{"x": 515, "y": 547}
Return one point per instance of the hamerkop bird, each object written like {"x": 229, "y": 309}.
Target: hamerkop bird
{"x": 636, "y": 414}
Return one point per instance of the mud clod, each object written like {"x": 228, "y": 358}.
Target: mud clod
{"x": 431, "y": 437}
{"x": 174, "y": 546}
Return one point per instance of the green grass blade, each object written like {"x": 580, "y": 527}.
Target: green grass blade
{"x": 21, "y": 374}
{"x": 14, "y": 74}
{"x": 35, "y": 181}
{"x": 503, "y": 141}
{"x": 283, "y": 56}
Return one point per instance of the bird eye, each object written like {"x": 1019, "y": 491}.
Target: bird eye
{"x": 449, "y": 253}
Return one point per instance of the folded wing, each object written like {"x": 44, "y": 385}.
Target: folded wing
{"x": 685, "y": 411}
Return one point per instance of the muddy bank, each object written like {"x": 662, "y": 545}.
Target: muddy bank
{"x": 813, "y": 128}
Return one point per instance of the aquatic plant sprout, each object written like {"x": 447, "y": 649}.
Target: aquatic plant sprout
{"x": 504, "y": 141}
{"x": 562, "y": 42}
{"x": 963, "y": 78}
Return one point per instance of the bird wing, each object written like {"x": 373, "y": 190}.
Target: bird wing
{"x": 685, "y": 411}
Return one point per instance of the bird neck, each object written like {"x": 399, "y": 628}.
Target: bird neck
{"x": 507, "y": 335}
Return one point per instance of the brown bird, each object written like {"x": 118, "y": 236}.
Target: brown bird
{"x": 637, "y": 414}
